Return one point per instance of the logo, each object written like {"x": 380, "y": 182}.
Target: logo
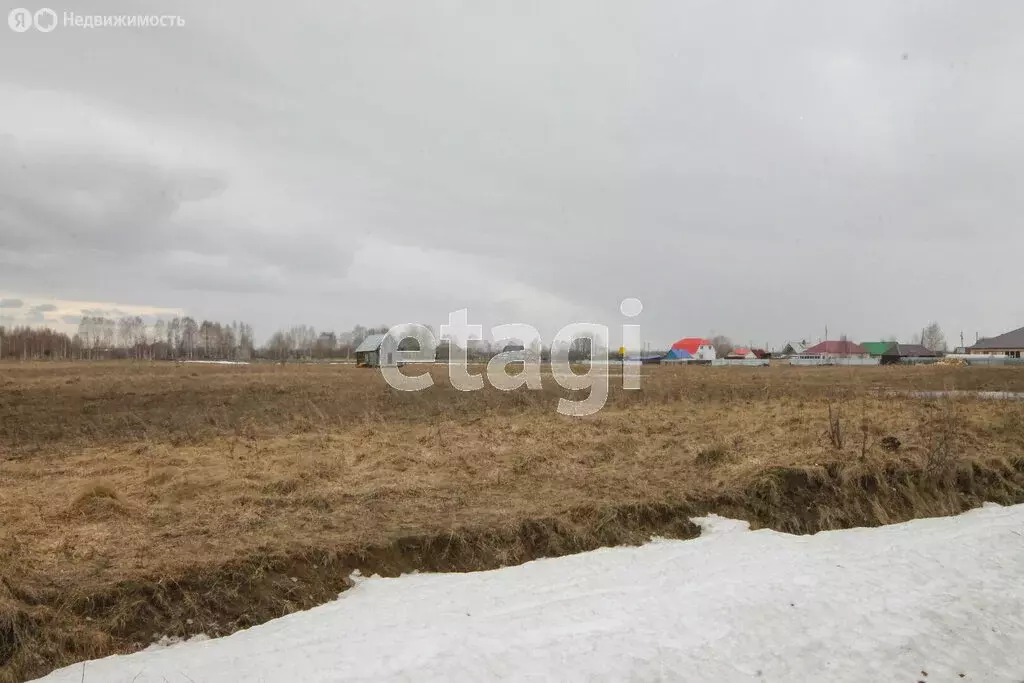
{"x": 45, "y": 20}
{"x": 20, "y": 20}
{"x": 586, "y": 341}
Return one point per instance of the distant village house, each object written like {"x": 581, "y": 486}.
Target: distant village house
{"x": 691, "y": 348}
{"x": 837, "y": 349}
{"x": 905, "y": 353}
{"x": 741, "y": 353}
{"x": 793, "y": 348}
{"x": 377, "y": 350}
{"x": 1010, "y": 345}
{"x": 877, "y": 349}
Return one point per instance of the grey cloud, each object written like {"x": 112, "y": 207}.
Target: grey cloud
{"x": 36, "y": 314}
{"x": 11, "y": 303}
{"x": 71, "y": 319}
{"x": 82, "y": 211}
{"x": 103, "y": 312}
{"x": 762, "y": 169}
{"x": 90, "y": 202}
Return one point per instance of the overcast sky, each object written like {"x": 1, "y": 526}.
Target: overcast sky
{"x": 760, "y": 168}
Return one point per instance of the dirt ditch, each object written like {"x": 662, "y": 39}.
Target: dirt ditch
{"x": 44, "y": 626}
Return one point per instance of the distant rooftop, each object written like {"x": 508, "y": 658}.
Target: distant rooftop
{"x": 371, "y": 343}
{"x": 841, "y": 347}
{"x": 1010, "y": 340}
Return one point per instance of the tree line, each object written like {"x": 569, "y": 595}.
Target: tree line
{"x": 185, "y": 338}
{"x": 179, "y": 338}
{"x": 304, "y": 342}
{"x": 100, "y": 337}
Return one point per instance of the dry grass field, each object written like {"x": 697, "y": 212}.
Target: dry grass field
{"x": 147, "y": 499}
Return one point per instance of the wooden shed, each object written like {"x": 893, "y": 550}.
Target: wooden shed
{"x": 377, "y": 350}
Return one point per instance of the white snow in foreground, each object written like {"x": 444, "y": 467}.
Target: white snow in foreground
{"x": 923, "y": 601}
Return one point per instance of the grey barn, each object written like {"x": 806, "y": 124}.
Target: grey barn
{"x": 377, "y": 350}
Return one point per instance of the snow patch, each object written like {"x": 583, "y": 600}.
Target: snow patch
{"x": 713, "y": 525}
{"x": 942, "y": 596}
{"x": 169, "y": 641}
{"x": 356, "y": 577}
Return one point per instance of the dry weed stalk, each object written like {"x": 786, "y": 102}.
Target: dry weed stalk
{"x": 835, "y": 422}
{"x": 943, "y": 438}
{"x": 864, "y": 429}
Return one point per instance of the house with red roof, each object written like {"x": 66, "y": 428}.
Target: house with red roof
{"x": 740, "y": 352}
{"x": 696, "y": 348}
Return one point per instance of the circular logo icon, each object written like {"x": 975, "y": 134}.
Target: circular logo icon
{"x": 45, "y": 20}
{"x": 631, "y": 307}
{"x": 20, "y": 20}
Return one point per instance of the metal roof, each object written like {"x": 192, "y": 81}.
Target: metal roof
{"x": 691, "y": 344}
{"x": 841, "y": 347}
{"x": 877, "y": 348}
{"x": 371, "y": 343}
{"x": 1010, "y": 340}
{"x": 909, "y": 351}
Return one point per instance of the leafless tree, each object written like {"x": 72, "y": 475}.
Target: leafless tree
{"x": 189, "y": 336}
{"x": 26, "y": 342}
{"x": 932, "y": 338}
{"x": 278, "y": 346}
{"x": 723, "y": 345}
{"x": 159, "y": 339}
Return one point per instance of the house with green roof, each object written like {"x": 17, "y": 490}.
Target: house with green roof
{"x": 877, "y": 349}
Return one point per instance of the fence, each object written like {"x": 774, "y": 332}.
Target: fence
{"x": 747, "y": 362}
{"x": 819, "y": 360}
{"x": 986, "y": 359}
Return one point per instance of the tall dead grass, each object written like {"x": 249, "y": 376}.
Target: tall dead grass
{"x": 144, "y": 500}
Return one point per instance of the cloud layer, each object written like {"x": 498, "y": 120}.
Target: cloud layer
{"x": 760, "y": 169}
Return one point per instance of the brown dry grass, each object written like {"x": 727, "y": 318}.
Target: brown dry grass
{"x": 147, "y": 499}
